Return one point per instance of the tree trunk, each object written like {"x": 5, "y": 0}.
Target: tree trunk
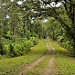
{"x": 1, "y": 46}
{"x": 53, "y": 34}
{"x": 74, "y": 46}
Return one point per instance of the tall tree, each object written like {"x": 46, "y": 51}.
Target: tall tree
{"x": 45, "y": 8}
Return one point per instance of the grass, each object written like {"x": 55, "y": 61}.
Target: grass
{"x": 12, "y": 66}
{"x": 64, "y": 64}
{"x": 40, "y": 67}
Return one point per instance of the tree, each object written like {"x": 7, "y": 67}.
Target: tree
{"x": 38, "y": 28}
{"x": 45, "y": 8}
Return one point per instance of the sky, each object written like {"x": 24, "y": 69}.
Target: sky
{"x": 45, "y": 20}
{"x": 20, "y": 2}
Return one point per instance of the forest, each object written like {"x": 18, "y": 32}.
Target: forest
{"x": 34, "y": 31}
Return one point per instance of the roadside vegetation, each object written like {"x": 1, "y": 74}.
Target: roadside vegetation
{"x": 56, "y": 32}
{"x": 24, "y": 26}
{"x": 64, "y": 64}
{"x": 19, "y": 48}
{"x": 11, "y": 66}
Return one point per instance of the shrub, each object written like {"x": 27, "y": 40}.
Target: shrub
{"x": 23, "y": 47}
{"x": 60, "y": 38}
{"x": 12, "y": 53}
{"x": 21, "y": 39}
{"x": 28, "y": 34}
{"x": 19, "y": 48}
{"x": 27, "y": 46}
{"x": 35, "y": 40}
{"x": 2, "y": 49}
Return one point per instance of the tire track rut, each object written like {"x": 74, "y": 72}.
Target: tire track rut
{"x": 50, "y": 67}
{"x": 24, "y": 72}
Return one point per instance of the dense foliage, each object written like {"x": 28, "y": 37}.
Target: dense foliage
{"x": 18, "y": 32}
{"x": 12, "y": 66}
{"x": 21, "y": 20}
{"x": 62, "y": 10}
{"x": 19, "y": 48}
{"x": 55, "y": 31}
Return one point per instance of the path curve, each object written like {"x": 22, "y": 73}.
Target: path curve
{"x": 24, "y": 72}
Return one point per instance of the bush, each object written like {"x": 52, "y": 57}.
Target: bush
{"x": 21, "y": 39}
{"x": 11, "y": 52}
{"x": 35, "y": 40}
{"x": 60, "y": 38}
{"x": 2, "y": 49}
{"x": 20, "y": 48}
{"x": 23, "y": 47}
{"x": 27, "y": 46}
{"x": 28, "y": 34}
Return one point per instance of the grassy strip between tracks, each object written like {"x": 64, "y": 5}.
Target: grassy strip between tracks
{"x": 40, "y": 67}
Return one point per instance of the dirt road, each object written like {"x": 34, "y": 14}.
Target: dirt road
{"x": 35, "y": 62}
{"x": 50, "y": 70}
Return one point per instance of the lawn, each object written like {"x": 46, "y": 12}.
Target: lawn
{"x": 12, "y": 66}
{"x": 64, "y": 64}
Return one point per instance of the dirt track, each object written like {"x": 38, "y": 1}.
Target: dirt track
{"x": 35, "y": 62}
{"x": 49, "y": 70}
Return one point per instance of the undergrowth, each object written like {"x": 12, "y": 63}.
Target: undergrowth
{"x": 12, "y": 66}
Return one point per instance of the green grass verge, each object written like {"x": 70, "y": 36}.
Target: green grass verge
{"x": 64, "y": 64}
{"x": 40, "y": 67}
{"x": 12, "y": 66}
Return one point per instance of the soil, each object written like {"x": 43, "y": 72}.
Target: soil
{"x": 35, "y": 62}
{"x": 50, "y": 67}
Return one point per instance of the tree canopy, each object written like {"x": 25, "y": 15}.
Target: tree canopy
{"x": 24, "y": 19}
